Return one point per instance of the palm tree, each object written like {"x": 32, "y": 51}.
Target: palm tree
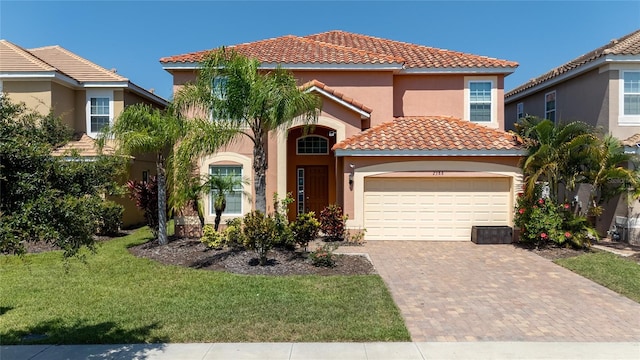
{"x": 141, "y": 128}
{"x": 221, "y": 186}
{"x": 239, "y": 99}
{"x": 555, "y": 154}
{"x": 606, "y": 172}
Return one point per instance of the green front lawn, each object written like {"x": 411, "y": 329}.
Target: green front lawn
{"x": 607, "y": 269}
{"x": 117, "y": 298}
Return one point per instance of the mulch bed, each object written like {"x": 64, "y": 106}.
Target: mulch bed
{"x": 192, "y": 253}
{"x": 557, "y": 252}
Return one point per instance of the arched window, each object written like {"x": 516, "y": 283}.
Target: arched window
{"x": 312, "y": 145}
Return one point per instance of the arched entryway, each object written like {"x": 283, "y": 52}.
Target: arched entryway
{"x": 311, "y": 169}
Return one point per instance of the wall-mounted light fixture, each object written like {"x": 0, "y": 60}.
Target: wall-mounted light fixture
{"x": 332, "y": 133}
{"x": 351, "y": 175}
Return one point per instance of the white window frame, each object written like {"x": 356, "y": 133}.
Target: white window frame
{"x": 623, "y": 119}
{"x": 494, "y": 99}
{"x": 555, "y": 106}
{"x": 312, "y": 136}
{"x": 218, "y": 91}
{"x": 240, "y": 190}
{"x": 519, "y": 110}
{"x": 97, "y": 93}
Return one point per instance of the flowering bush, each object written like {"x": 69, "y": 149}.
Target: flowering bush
{"x": 542, "y": 221}
{"x": 323, "y": 256}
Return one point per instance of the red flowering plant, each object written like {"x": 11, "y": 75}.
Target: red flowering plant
{"x": 542, "y": 221}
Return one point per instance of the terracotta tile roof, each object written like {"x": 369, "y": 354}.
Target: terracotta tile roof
{"x": 75, "y": 66}
{"x": 429, "y": 133}
{"x": 625, "y": 45}
{"x": 85, "y": 147}
{"x": 337, "y": 94}
{"x": 414, "y": 56}
{"x": 15, "y": 58}
{"x": 296, "y": 50}
{"x": 632, "y": 141}
{"x": 339, "y": 47}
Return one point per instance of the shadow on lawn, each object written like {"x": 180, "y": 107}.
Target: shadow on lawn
{"x": 58, "y": 332}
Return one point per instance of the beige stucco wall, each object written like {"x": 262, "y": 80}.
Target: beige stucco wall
{"x": 63, "y": 103}
{"x": 416, "y": 95}
{"x": 373, "y": 89}
{"x": 35, "y": 94}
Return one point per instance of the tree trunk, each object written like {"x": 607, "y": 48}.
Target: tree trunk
{"x": 162, "y": 201}
{"x": 260, "y": 169}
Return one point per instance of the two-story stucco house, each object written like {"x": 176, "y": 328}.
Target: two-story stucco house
{"x": 410, "y": 140}
{"x": 85, "y": 95}
{"x": 601, "y": 88}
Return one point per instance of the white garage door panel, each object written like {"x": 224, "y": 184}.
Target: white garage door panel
{"x": 433, "y": 209}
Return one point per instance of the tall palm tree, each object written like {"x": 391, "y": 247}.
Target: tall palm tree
{"x": 555, "y": 154}
{"x": 236, "y": 99}
{"x": 141, "y": 128}
{"x": 221, "y": 186}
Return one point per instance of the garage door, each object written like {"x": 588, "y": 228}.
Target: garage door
{"x": 433, "y": 209}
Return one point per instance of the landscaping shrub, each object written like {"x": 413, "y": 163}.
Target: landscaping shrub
{"x": 284, "y": 234}
{"x": 355, "y": 237}
{"x": 323, "y": 256}
{"x": 333, "y": 223}
{"x": 234, "y": 234}
{"x": 260, "y": 232}
{"x": 110, "y": 218}
{"x": 305, "y": 229}
{"x": 212, "y": 238}
{"x": 542, "y": 221}
{"x": 145, "y": 195}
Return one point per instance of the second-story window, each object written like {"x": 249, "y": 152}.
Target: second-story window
{"x": 480, "y": 101}
{"x": 550, "y": 106}
{"x": 99, "y": 110}
{"x": 219, "y": 87}
{"x": 519, "y": 111}
{"x": 631, "y": 93}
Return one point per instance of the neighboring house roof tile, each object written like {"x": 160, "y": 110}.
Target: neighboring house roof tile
{"x": 632, "y": 141}
{"x": 75, "y": 66}
{"x": 339, "y": 47}
{"x": 83, "y": 146}
{"x": 337, "y": 94}
{"x": 625, "y": 45}
{"x": 429, "y": 133}
{"x": 15, "y": 58}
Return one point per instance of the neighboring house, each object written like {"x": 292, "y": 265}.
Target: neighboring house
{"x": 410, "y": 139}
{"x": 85, "y": 95}
{"x": 601, "y": 88}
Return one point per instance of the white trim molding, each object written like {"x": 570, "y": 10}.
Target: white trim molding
{"x": 625, "y": 120}
{"x": 494, "y": 99}
{"x": 363, "y": 114}
{"x": 247, "y": 173}
{"x": 97, "y": 93}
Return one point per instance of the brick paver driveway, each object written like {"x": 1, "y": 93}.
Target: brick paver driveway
{"x": 460, "y": 291}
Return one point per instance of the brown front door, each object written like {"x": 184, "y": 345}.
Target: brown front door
{"x": 314, "y": 190}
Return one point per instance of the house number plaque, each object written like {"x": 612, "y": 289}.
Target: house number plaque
{"x": 437, "y": 173}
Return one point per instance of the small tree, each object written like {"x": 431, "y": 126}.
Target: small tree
{"x": 141, "y": 128}
{"x": 220, "y": 186}
{"x": 145, "y": 196}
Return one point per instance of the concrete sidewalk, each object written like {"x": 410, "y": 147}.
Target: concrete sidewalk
{"x": 342, "y": 351}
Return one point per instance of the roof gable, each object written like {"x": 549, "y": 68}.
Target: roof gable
{"x": 75, "y": 66}
{"x": 625, "y": 45}
{"x": 429, "y": 133}
{"x": 320, "y": 87}
{"x": 15, "y": 58}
